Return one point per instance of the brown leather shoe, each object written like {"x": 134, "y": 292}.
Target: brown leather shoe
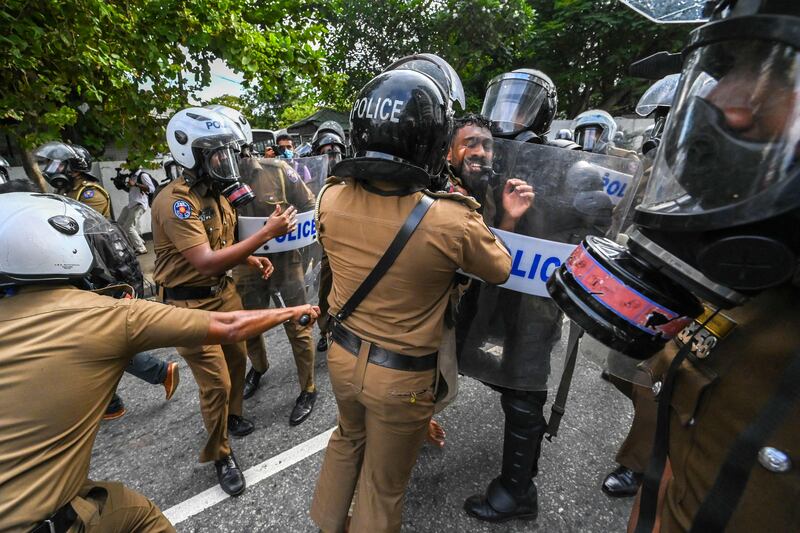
{"x": 115, "y": 409}
{"x": 172, "y": 380}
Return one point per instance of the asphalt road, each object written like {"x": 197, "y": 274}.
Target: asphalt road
{"x": 154, "y": 449}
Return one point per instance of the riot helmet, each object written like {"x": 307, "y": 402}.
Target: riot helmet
{"x": 55, "y": 239}
{"x": 656, "y": 102}
{"x": 719, "y": 214}
{"x": 59, "y": 162}
{"x": 439, "y": 70}
{"x": 564, "y": 134}
{"x": 240, "y": 121}
{"x": 595, "y": 131}
{"x": 329, "y": 140}
{"x": 206, "y": 144}
{"x": 400, "y": 127}
{"x": 523, "y": 100}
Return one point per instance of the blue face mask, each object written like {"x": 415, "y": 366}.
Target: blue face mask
{"x": 287, "y": 153}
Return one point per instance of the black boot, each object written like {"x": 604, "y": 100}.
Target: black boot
{"x": 251, "y": 381}
{"x": 239, "y": 426}
{"x": 499, "y": 505}
{"x": 622, "y": 482}
{"x": 302, "y": 407}
{"x": 230, "y": 475}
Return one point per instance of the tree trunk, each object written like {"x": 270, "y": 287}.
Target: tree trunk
{"x": 32, "y": 170}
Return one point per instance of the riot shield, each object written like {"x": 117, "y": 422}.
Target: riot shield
{"x": 294, "y": 256}
{"x": 511, "y": 335}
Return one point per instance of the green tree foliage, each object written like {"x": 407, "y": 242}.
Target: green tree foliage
{"x": 132, "y": 62}
{"x": 584, "y": 45}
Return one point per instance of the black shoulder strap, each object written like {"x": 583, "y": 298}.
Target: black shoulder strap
{"x": 383, "y": 264}
{"x": 560, "y": 403}
{"x": 721, "y": 501}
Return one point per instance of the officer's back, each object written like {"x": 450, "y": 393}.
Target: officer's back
{"x": 404, "y": 310}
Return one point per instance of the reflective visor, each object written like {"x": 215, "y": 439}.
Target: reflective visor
{"x": 730, "y": 146}
{"x": 587, "y": 137}
{"x": 512, "y": 102}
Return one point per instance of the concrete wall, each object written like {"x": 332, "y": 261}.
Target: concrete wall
{"x": 119, "y": 199}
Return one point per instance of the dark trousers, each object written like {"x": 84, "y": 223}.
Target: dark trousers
{"x": 147, "y": 368}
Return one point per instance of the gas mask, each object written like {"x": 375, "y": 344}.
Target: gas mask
{"x": 718, "y": 220}
{"x": 222, "y": 168}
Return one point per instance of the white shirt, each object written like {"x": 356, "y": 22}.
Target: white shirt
{"x": 137, "y": 195}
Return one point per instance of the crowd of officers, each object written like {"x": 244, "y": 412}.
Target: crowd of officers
{"x": 396, "y": 223}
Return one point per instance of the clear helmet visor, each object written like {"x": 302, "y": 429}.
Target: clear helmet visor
{"x": 512, "y": 103}
{"x": 729, "y": 152}
{"x": 660, "y": 94}
{"x": 438, "y": 69}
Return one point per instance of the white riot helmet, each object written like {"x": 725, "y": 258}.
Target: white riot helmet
{"x": 49, "y": 237}
{"x": 238, "y": 119}
{"x": 595, "y": 131}
{"x": 206, "y": 144}
{"x": 564, "y": 134}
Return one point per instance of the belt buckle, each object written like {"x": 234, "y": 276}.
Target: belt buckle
{"x": 52, "y": 525}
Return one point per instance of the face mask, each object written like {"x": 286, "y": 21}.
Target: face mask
{"x": 287, "y": 153}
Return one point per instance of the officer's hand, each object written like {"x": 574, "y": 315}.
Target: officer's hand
{"x": 311, "y": 311}
{"x": 280, "y": 223}
{"x": 262, "y": 264}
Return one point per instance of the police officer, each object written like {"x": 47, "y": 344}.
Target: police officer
{"x": 46, "y": 443}
{"x": 329, "y": 139}
{"x": 596, "y": 131}
{"x": 719, "y": 219}
{"x": 386, "y": 333}
{"x": 66, "y": 167}
{"x": 276, "y": 185}
{"x": 194, "y": 232}
{"x": 632, "y": 455}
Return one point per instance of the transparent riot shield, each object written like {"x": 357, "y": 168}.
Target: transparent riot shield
{"x": 512, "y": 335}
{"x": 294, "y": 256}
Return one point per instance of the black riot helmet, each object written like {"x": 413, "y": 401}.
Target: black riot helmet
{"x": 400, "y": 128}
{"x": 718, "y": 219}
{"x": 439, "y": 70}
{"x": 330, "y": 134}
{"x": 520, "y": 101}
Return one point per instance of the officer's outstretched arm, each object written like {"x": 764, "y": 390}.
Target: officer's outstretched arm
{"x": 215, "y": 262}
{"x": 235, "y": 326}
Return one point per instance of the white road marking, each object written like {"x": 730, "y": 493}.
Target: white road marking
{"x": 200, "y": 502}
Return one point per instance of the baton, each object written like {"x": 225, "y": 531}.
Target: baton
{"x": 305, "y": 318}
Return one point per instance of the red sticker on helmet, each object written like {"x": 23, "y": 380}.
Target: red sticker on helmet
{"x": 624, "y": 301}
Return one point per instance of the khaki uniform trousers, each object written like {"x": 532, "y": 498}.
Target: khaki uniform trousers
{"x": 383, "y": 420}
{"x": 634, "y": 453}
{"x": 219, "y": 372}
{"x": 255, "y": 291}
{"x": 104, "y": 506}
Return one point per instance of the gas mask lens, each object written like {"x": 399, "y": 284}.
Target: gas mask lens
{"x": 730, "y": 147}
{"x": 221, "y": 164}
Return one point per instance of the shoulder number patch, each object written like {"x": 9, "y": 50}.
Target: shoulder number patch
{"x": 182, "y": 209}
{"x": 88, "y": 193}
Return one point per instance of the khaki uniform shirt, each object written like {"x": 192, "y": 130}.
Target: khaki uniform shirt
{"x": 185, "y": 217}
{"x": 56, "y": 379}
{"x": 405, "y": 310}
{"x": 735, "y": 366}
{"x": 92, "y": 194}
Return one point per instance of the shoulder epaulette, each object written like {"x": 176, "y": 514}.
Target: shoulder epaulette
{"x": 468, "y": 201}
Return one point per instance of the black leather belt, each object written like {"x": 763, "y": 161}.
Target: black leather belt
{"x": 380, "y": 356}
{"x": 189, "y": 293}
{"x": 59, "y": 522}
